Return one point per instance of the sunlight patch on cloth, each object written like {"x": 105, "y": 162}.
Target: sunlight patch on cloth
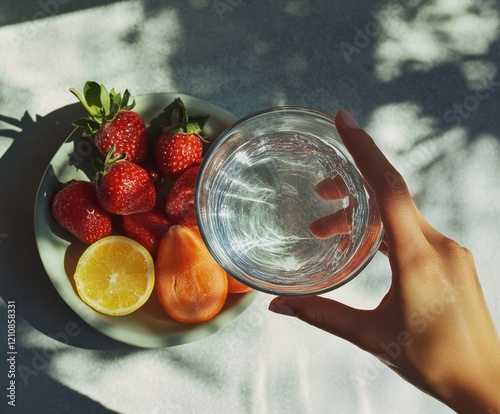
{"x": 129, "y": 35}
{"x": 95, "y": 374}
{"x": 412, "y": 140}
{"x": 479, "y": 74}
{"x": 389, "y": 124}
{"x": 437, "y": 32}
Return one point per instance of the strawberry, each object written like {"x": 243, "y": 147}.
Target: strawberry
{"x": 76, "y": 209}
{"x": 179, "y": 206}
{"x": 112, "y": 121}
{"x": 146, "y": 228}
{"x": 123, "y": 187}
{"x": 180, "y": 146}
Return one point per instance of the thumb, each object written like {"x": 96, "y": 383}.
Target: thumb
{"x": 331, "y": 316}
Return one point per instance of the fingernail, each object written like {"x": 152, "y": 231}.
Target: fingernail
{"x": 277, "y": 307}
{"x": 347, "y": 119}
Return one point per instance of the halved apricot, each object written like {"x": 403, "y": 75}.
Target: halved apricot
{"x": 235, "y": 286}
{"x": 191, "y": 285}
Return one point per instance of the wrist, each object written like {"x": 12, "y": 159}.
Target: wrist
{"x": 475, "y": 390}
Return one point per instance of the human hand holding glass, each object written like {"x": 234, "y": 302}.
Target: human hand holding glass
{"x": 455, "y": 356}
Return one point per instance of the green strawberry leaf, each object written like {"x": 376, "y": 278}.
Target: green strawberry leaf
{"x": 125, "y": 99}
{"x": 126, "y": 96}
{"x": 184, "y": 113}
{"x": 89, "y": 126}
{"x": 176, "y": 117}
{"x": 105, "y": 100}
{"x": 81, "y": 123}
{"x": 95, "y": 110}
{"x": 200, "y": 120}
{"x": 92, "y": 94}
{"x": 102, "y": 105}
{"x": 192, "y": 128}
{"x": 102, "y": 166}
{"x": 180, "y": 120}
{"x": 116, "y": 99}
{"x": 132, "y": 104}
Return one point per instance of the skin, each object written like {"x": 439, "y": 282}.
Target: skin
{"x": 433, "y": 326}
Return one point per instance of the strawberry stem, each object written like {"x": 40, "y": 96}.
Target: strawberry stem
{"x": 184, "y": 112}
{"x": 102, "y": 167}
{"x": 181, "y": 120}
{"x": 82, "y": 101}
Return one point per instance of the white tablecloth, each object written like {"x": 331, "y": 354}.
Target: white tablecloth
{"x": 420, "y": 76}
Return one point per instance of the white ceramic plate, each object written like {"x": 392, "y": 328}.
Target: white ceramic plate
{"x": 149, "y": 326}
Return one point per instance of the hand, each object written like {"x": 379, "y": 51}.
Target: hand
{"x": 433, "y": 327}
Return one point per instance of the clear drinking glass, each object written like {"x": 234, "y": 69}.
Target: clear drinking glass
{"x": 281, "y": 205}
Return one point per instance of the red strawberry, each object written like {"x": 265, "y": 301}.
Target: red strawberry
{"x": 146, "y": 228}
{"x": 112, "y": 121}
{"x": 180, "y": 200}
{"x": 127, "y": 132}
{"x": 76, "y": 209}
{"x": 176, "y": 152}
{"x": 123, "y": 187}
{"x": 181, "y": 146}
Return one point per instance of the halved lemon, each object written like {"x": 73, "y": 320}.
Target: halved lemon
{"x": 115, "y": 275}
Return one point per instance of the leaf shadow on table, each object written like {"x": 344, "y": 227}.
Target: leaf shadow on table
{"x": 24, "y": 279}
{"x": 252, "y": 55}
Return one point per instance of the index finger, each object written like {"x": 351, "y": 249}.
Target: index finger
{"x": 396, "y": 206}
